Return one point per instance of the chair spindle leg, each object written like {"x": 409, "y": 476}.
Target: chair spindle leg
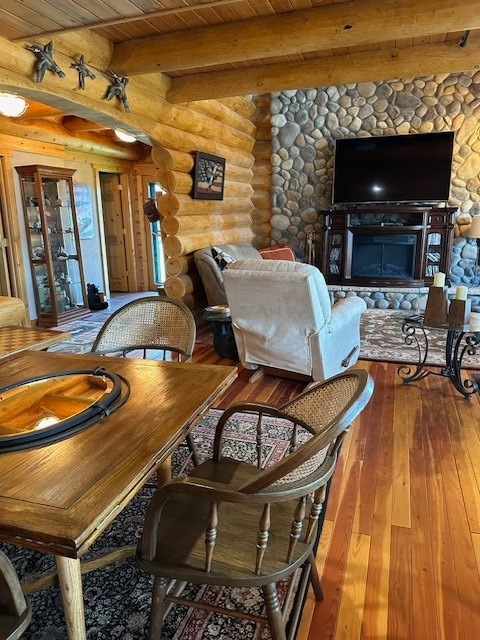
{"x": 159, "y": 591}
{"x": 274, "y": 612}
{"x": 315, "y": 578}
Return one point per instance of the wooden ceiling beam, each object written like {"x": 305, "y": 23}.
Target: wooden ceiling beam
{"x": 417, "y": 61}
{"x": 333, "y": 26}
{"x": 73, "y": 124}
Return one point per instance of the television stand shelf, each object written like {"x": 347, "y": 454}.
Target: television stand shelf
{"x": 399, "y": 245}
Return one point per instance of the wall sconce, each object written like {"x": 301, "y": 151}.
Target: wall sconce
{"x": 124, "y": 137}
{"x": 11, "y": 105}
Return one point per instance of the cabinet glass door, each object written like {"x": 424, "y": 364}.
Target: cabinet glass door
{"x": 54, "y": 243}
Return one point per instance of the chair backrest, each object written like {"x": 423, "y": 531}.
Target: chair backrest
{"x": 211, "y": 273}
{"x": 15, "y": 610}
{"x": 326, "y": 410}
{"x": 149, "y": 323}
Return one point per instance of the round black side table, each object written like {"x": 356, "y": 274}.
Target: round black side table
{"x": 223, "y": 338}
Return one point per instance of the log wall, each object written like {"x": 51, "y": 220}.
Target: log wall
{"x": 227, "y": 128}
{"x": 262, "y": 180}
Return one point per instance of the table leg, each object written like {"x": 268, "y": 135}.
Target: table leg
{"x": 164, "y": 472}
{"x": 455, "y": 350}
{"x": 70, "y": 579}
{"x": 405, "y": 371}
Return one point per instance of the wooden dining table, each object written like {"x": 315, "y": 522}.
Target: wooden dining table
{"x": 59, "y": 498}
{"x": 16, "y": 339}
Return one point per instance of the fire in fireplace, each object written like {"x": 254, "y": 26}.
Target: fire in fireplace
{"x": 385, "y": 256}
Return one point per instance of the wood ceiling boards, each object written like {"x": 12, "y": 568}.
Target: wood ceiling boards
{"x": 216, "y": 48}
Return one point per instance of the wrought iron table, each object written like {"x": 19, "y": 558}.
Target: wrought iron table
{"x": 460, "y": 340}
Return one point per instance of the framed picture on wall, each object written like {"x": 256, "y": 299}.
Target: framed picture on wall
{"x": 208, "y": 177}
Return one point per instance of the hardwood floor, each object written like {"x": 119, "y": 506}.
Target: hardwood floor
{"x": 400, "y": 547}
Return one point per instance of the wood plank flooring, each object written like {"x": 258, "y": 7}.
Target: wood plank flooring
{"x": 400, "y": 549}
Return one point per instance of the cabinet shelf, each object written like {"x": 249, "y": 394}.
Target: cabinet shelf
{"x": 54, "y": 243}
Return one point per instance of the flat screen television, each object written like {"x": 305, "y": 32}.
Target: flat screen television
{"x": 393, "y": 169}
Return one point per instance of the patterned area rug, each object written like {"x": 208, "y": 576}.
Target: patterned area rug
{"x": 117, "y": 597}
{"x": 382, "y": 339}
{"x": 83, "y": 333}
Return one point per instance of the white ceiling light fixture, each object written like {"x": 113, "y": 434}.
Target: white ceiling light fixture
{"x": 11, "y": 105}
{"x": 124, "y": 137}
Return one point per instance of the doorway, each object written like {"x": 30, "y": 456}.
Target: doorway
{"x": 156, "y": 241}
{"x": 115, "y": 229}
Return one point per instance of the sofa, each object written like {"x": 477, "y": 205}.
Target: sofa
{"x": 283, "y": 319}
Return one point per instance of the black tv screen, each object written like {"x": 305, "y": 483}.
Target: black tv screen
{"x": 402, "y": 168}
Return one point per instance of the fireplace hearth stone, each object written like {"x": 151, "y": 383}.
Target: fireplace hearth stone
{"x": 403, "y": 298}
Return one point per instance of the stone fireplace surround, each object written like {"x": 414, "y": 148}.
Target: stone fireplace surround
{"x": 305, "y": 124}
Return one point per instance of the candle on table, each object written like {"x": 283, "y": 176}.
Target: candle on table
{"x": 461, "y": 293}
{"x": 439, "y": 279}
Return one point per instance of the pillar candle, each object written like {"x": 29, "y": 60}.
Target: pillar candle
{"x": 439, "y": 279}
{"x": 461, "y": 293}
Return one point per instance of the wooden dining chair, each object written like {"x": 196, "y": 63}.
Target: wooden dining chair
{"x": 15, "y": 612}
{"x": 158, "y": 328}
{"x": 247, "y": 524}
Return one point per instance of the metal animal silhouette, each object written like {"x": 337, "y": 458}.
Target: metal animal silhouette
{"x": 83, "y": 71}
{"x": 45, "y": 61}
{"x": 117, "y": 89}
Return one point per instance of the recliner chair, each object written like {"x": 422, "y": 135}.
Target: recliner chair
{"x": 282, "y": 318}
{"x": 211, "y": 273}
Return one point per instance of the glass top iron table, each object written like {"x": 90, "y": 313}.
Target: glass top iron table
{"x": 460, "y": 341}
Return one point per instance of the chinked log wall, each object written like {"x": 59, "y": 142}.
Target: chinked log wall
{"x": 226, "y": 128}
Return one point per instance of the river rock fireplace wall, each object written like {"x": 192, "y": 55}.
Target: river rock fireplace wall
{"x": 382, "y": 246}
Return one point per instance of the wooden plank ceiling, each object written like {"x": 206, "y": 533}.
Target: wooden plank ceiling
{"x": 216, "y": 48}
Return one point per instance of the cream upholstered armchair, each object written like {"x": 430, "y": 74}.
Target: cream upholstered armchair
{"x": 282, "y": 318}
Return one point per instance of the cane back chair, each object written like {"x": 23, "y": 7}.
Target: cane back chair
{"x": 15, "y": 610}
{"x": 158, "y": 327}
{"x": 250, "y": 524}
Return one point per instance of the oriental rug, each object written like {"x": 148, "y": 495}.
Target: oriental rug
{"x": 117, "y": 597}
{"x": 381, "y": 339}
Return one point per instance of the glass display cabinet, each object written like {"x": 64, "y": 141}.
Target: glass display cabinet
{"x": 53, "y": 243}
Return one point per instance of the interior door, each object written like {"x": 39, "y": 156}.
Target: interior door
{"x": 115, "y": 231}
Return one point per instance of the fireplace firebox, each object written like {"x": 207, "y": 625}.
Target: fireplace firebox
{"x": 385, "y": 256}
{"x": 391, "y": 246}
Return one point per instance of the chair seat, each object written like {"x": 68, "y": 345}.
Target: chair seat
{"x": 183, "y": 557}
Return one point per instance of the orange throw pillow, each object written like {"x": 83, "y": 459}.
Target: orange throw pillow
{"x": 278, "y": 252}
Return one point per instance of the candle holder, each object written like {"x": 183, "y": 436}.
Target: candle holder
{"x": 459, "y": 314}
{"x": 436, "y": 310}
